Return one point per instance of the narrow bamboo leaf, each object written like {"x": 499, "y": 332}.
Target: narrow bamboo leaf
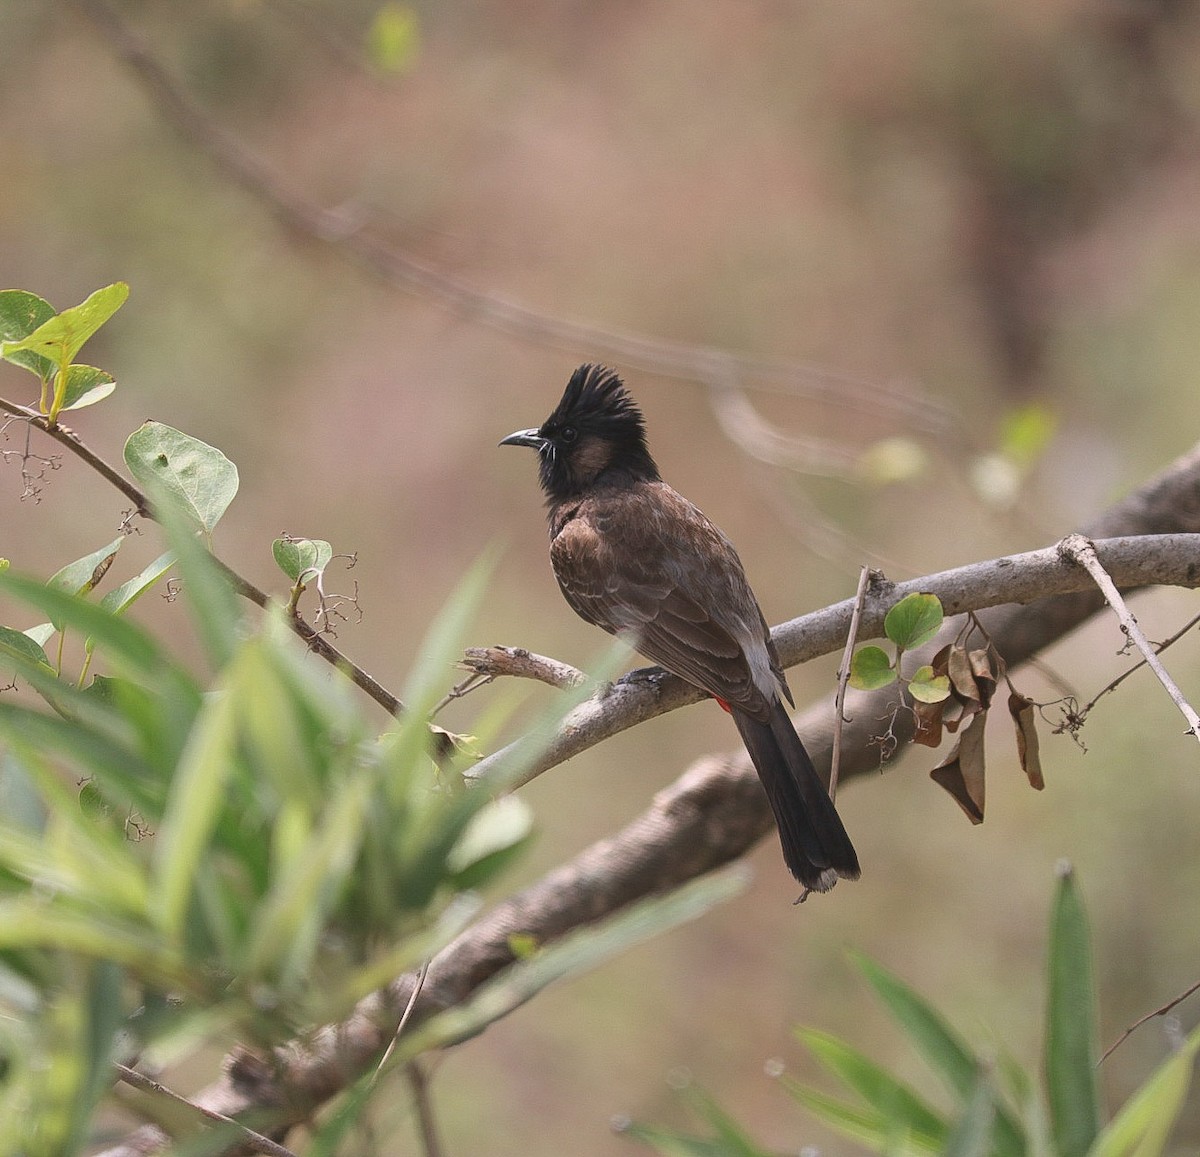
{"x": 28, "y": 922}
{"x": 671, "y": 1142}
{"x": 123, "y": 597}
{"x": 571, "y": 955}
{"x": 1071, "y": 1052}
{"x": 1143, "y": 1126}
{"x": 20, "y": 314}
{"x": 192, "y": 810}
{"x": 196, "y": 477}
{"x": 82, "y": 575}
{"x": 289, "y": 922}
{"x": 972, "y": 1134}
{"x": 943, "y": 1049}
{"x": 494, "y": 835}
{"x": 864, "y": 1124}
{"x": 62, "y": 336}
{"x": 732, "y": 1140}
{"x": 876, "y": 1086}
{"x": 913, "y": 621}
{"x": 86, "y": 385}
{"x": 103, "y": 1017}
{"x": 133, "y": 646}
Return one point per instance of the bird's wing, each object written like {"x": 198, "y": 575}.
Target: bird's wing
{"x": 645, "y": 563}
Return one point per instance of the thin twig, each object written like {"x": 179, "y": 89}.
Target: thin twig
{"x": 1082, "y": 551}
{"x": 839, "y": 699}
{"x": 252, "y": 1140}
{"x": 404, "y": 1017}
{"x": 418, "y": 1078}
{"x": 316, "y": 642}
{"x": 1141, "y": 1020}
{"x": 1159, "y": 648}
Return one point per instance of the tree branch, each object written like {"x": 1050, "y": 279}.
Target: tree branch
{"x": 714, "y": 813}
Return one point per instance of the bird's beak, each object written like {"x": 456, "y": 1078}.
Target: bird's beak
{"x": 524, "y": 438}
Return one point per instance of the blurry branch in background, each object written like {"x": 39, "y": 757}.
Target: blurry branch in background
{"x": 348, "y": 231}
{"x": 713, "y": 814}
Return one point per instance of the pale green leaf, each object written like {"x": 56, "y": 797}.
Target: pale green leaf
{"x": 62, "y": 336}
{"x": 301, "y": 559}
{"x": 914, "y": 620}
{"x": 20, "y": 314}
{"x": 194, "y": 476}
{"x": 82, "y": 575}
{"x": 871, "y": 668}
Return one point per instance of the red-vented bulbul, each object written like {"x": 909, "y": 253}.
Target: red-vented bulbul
{"x": 639, "y": 560}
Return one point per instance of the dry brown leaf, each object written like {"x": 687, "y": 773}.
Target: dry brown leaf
{"x": 1021, "y": 710}
{"x": 962, "y": 771}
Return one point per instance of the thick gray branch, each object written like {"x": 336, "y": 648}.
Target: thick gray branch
{"x": 714, "y": 813}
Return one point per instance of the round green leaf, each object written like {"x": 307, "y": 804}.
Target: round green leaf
{"x": 928, "y": 687}
{"x": 86, "y": 385}
{"x": 20, "y": 314}
{"x": 914, "y": 620}
{"x": 198, "y": 477}
{"x": 870, "y": 669}
{"x": 301, "y": 559}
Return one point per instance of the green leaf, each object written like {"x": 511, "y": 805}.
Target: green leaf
{"x": 123, "y": 597}
{"x": 195, "y": 477}
{"x": 62, "y": 336}
{"x": 86, "y": 385}
{"x": 945, "y": 1051}
{"x": 1143, "y": 1126}
{"x": 867, "y": 1125}
{"x": 1026, "y": 432}
{"x": 42, "y": 633}
{"x": 393, "y": 39}
{"x": 301, "y": 559}
{"x": 927, "y": 687}
{"x": 192, "y": 812}
{"x": 972, "y": 1135}
{"x": 494, "y": 837}
{"x": 82, "y": 575}
{"x": 20, "y": 646}
{"x": 871, "y": 668}
{"x": 20, "y": 314}
{"x": 1071, "y": 1054}
{"x": 914, "y": 620}
{"x": 895, "y": 1102}
{"x": 574, "y": 953}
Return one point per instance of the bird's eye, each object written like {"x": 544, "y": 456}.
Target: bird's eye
{"x": 568, "y": 434}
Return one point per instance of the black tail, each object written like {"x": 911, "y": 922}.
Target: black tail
{"x": 815, "y": 846}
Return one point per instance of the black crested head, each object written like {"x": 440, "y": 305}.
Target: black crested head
{"x": 596, "y": 436}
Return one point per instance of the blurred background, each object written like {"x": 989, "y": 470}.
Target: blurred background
{"x": 967, "y": 233}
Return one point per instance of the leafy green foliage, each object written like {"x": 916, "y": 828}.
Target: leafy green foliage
{"x": 34, "y": 336}
{"x": 247, "y": 846}
{"x": 911, "y": 623}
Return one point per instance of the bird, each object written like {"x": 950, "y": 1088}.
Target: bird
{"x": 637, "y": 559}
